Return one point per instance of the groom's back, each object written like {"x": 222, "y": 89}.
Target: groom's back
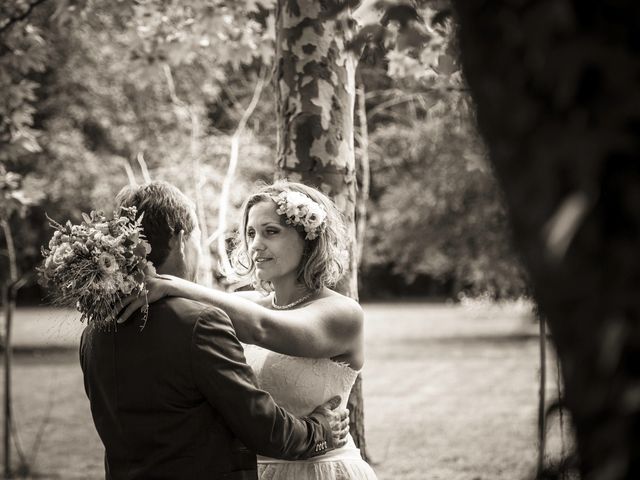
{"x": 151, "y": 417}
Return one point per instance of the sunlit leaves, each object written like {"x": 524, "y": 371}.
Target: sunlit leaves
{"x": 418, "y": 41}
{"x": 14, "y": 198}
{"x": 23, "y": 51}
{"x": 197, "y": 31}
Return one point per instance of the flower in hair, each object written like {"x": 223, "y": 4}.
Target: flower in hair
{"x": 300, "y": 210}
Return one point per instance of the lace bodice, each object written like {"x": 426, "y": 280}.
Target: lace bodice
{"x": 300, "y": 384}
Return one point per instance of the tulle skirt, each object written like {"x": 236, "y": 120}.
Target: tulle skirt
{"x": 342, "y": 464}
{"x": 329, "y": 470}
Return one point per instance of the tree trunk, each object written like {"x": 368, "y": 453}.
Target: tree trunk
{"x": 542, "y": 398}
{"x": 8, "y": 301}
{"x": 315, "y": 89}
{"x": 556, "y": 85}
{"x": 8, "y": 304}
{"x": 363, "y": 169}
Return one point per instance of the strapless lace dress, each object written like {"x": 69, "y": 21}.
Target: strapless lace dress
{"x": 299, "y": 385}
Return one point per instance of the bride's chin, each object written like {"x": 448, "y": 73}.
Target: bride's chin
{"x": 262, "y": 276}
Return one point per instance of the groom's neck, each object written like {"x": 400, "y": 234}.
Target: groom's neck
{"x": 170, "y": 267}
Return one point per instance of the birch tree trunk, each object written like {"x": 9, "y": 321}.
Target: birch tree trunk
{"x": 315, "y": 89}
{"x": 556, "y": 85}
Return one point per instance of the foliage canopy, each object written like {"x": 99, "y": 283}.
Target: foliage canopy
{"x": 97, "y": 93}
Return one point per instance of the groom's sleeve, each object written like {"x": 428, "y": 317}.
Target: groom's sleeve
{"x": 222, "y": 374}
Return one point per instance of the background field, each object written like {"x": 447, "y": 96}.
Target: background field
{"x": 450, "y": 393}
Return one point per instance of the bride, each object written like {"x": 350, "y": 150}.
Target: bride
{"x": 305, "y": 340}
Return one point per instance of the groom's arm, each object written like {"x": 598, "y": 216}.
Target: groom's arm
{"x": 228, "y": 383}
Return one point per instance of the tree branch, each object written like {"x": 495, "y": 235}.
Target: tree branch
{"x": 424, "y": 90}
{"x": 233, "y": 162}
{"x": 183, "y": 109}
{"x": 143, "y": 167}
{"x": 20, "y": 17}
{"x": 391, "y": 103}
{"x": 130, "y": 175}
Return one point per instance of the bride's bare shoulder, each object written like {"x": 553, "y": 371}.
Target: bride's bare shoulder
{"x": 344, "y": 304}
{"x": 254, "y": 295}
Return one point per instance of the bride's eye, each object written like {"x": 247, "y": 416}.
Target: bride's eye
{"x": 251, "y": 233}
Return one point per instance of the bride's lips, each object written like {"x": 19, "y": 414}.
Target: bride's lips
{"x": 261, "y": 260}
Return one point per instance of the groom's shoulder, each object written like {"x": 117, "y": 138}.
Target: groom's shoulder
{"x": 180, "y": 308}
{"x": 188, "y": 311}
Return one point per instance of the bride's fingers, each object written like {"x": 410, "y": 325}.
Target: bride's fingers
{"x": 135, "y": 305}
{"x": 127, "y": 300}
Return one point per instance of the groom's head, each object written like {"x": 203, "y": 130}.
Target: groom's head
{"x": 170, "y": 225}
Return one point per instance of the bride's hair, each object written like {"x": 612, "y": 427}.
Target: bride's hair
{"x": 324, "y": 259}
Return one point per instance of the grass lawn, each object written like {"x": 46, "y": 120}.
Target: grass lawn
{"x": 450, "y": 393}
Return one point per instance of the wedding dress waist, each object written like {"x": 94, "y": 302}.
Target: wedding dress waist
{"x": 348, "y": 452}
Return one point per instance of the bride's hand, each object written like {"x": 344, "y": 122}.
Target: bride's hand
{"x": 157, "y": 287}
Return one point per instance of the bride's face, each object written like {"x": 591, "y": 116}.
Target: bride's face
{"x": 275, "y": 247}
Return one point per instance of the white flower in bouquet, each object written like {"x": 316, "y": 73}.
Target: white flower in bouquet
{"x": 107, "y": 263}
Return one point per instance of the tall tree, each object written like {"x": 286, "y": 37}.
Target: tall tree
{"x": 556, "y": 89}
{"x": 14, "y": 201}
{"x": 315, "y": 91}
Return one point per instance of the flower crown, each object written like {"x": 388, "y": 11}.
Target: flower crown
{"x": 300, "y": 210}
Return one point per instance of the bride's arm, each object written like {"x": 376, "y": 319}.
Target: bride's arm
{"x": 326, "y": 328}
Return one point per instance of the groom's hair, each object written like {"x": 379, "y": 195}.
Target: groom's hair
{"x": 166, "y": 210}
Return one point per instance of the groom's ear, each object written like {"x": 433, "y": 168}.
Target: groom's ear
{"x": 176, "y": 243}
{"x": 181, "y": 242}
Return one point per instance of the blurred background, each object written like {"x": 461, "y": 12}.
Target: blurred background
{"x": 95, "y": 95}
{"x": 100, "y": 94}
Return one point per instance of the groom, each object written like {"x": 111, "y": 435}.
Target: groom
{"x": 176, "y": 400}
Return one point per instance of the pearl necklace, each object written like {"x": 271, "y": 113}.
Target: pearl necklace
{"x": 290, "y": 305}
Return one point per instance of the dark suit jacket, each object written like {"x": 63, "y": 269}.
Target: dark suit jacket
{"x": 178, "y": 401}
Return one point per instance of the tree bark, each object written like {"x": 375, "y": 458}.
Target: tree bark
{"x": 556, "y": 83}
{"x": 364, "y": 170}
{"x": 9, "y": 306}
{"x": 315, "y": 89}
{"x": 542, "y": 400}
{"x": 8, "y": 301}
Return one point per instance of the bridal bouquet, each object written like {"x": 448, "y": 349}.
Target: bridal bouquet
{"x": 92, "y": 266}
